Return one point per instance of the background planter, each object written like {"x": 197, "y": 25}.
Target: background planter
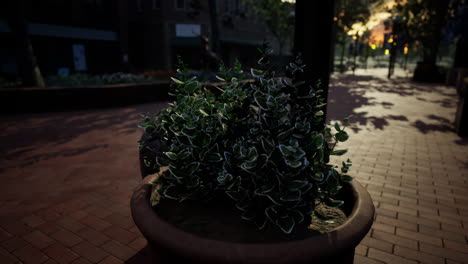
{"x": 169, "y": 244}
{"x": 33, "y": 99}
{"x": 428, "y": 72}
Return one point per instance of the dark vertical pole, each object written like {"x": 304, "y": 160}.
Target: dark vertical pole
{"x": 366, "y": 56}
{"x": 393, "y": 54}
{"x": 406, "y": 60}
{"x": 343, "y": 47}
{"x": 123, "y": 34}
{"x": 314, "y": 40}
{"x": 333, "y": 44}
{"x": 355, "y": 52}
{"x": 213, "y": 6}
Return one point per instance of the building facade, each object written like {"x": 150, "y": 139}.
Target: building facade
{"x": 74, "y": 35}
{"x": 168, "y": 28}
{"x": 104, "y": 36}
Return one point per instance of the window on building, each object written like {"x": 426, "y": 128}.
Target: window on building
{"x": 180, "y": 4}
{"x": 156, "y": 4}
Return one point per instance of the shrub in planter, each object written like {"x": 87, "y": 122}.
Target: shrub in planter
{"x": 80, "y": 79}
{"x": 257, "y": 149}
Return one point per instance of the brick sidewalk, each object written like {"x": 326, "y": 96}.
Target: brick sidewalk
{"x": 67, "y": 177}
{"x": 415, "y": 167}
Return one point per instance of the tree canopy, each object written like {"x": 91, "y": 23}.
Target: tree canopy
{"x": 277, "y": 16}
{"x": 349, "y": 12}
{"x": 423, "y": 21}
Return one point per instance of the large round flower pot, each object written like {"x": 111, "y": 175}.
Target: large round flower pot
{"x": 169, "y": 244}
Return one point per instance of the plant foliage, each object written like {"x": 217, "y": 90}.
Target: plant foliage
{"x": 259, "y": 143}
{"x": 424, "y": 21}
{"x": 277, "y": 16}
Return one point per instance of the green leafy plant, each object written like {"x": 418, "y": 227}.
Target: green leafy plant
{"x": 259, "y": 143}
{"x": 86, "y": 79}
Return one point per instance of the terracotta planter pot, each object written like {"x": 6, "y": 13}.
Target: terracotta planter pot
{"x": 169, "y": 244}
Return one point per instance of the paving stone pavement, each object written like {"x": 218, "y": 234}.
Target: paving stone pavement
{"x": 406, "y": 153}
{"x": 67, "y": 177}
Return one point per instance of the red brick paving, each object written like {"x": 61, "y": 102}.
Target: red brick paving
{"x": 111, "y": 260}
{"x": 6, "y": 257}
{"x": 67, "y": 177}
{"x": 66, "y": 237}
{"x": 38, "y": 239}
{"x": 61, "y": 253}
{"x": 90, "y": 252}
{"x": 81, "y": 261}
{"x": 93, "y": 236}
{"x": 13, "y": 244}
{"x": 30, "y": 254}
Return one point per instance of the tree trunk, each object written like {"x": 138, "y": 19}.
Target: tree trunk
{"x": 28, "y": 68}
{"x": 461, "y": 53}
{"x": 343, "y": 49}
{"x": 426, "y": 70}
{"x": 441, "y": 8}
{"x": 215, "y": 46}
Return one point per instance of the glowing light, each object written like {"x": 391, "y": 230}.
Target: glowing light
{"x": 405, "y": 49}
{"x": 376, "y": 19}
{"x": 354, "y": 37}
{"x": 357, "y": 29}
{"x": 390, "y": 4}
{"x": 373, "y": 46}
{"x": 390, "y": 40}
{"x": 375, "y": 24}
{"x": 387, "y": 52}
{"x": 335, "y": 19}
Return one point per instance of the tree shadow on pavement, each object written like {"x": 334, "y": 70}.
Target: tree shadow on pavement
{"x": 447, "y": 102}
{"x": 425, "y": 128}
{"x": 347, "y": 93}
{"x": 364, "y": 97}
{"x": 442, "y": 124}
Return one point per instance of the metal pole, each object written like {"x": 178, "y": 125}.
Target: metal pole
{"x": 355, "y": 52}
